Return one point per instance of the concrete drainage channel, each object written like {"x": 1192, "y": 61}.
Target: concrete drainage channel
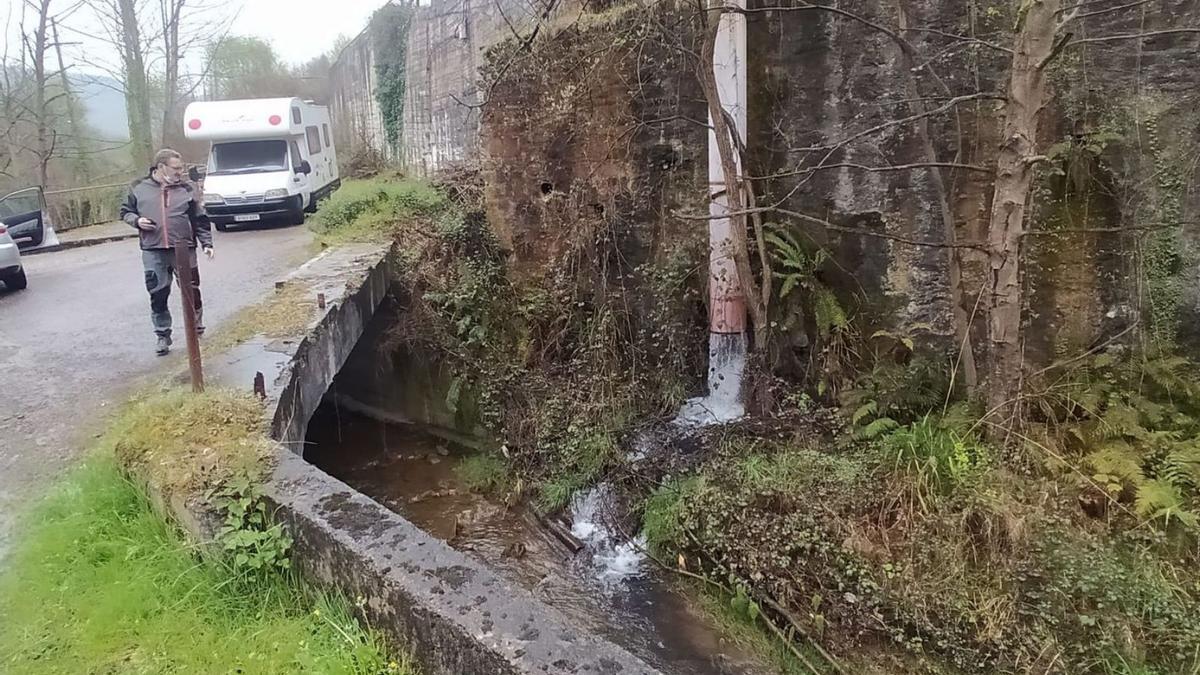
{"x": 457, "y": 615}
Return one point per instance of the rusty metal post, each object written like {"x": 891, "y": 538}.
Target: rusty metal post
{"x": 183, "y": 272}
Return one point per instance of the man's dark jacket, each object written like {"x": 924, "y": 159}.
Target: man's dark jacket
{"x": 176, "y": 214}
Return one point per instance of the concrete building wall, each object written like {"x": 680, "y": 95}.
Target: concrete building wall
{"x": 447, "y": 42}
{"x": 446, "y": 47}
{"x": 357, "y": 120}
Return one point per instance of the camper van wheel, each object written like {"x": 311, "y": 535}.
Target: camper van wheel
{"x": 297, "y": 215}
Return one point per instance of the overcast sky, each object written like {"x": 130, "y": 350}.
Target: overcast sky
{"x": 298, "y": 29}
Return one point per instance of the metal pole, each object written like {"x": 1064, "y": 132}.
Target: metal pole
{"x": 183, "y": 270}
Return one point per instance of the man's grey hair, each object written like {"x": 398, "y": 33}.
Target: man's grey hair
{"x": 165, "y": 155}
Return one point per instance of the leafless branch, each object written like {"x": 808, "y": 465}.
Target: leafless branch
{"x": 872, "y": 169}
{"x": 837, "y": 228}
{"x": 1133, "y": 36}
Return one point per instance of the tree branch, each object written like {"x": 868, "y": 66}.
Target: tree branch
{"x": 981, "y": 246}
{"x": 1133, "y": 36}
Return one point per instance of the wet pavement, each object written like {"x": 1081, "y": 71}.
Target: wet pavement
{"x": 78, "y": 340}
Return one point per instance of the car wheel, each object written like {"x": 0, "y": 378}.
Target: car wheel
{"x": 296, "y": 217}
{"x": 16, "y": 282}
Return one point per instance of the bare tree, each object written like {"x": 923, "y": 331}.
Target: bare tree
{"x": 128, "y": 29}
{"x": 37, "y": 45}
{"x": 186, "y": 26}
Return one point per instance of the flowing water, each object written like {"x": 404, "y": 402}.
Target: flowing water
{"x": 726, "y": 366}
{"x": 610, "y": 587}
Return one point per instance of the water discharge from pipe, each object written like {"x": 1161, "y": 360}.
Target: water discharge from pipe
{"x": 615, "y": 557}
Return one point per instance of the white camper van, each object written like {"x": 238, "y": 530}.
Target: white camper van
{"x": 270, "y": 158}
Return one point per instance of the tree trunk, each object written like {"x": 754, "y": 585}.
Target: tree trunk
{"x": 137, "y": 91}
{"x": 171, "y": 11}
{"x": 82, "y": 164}
{"x": 44, "y": 147}
{"x": 1027, "y": 94}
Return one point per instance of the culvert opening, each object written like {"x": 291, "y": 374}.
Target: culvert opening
{"x": 547, "y": 188}
{"x": 384, "y": 429}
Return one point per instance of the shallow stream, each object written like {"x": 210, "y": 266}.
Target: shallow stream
{"x": 608, "y": 587}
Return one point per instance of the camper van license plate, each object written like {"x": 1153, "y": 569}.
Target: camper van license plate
{"x": 245, "y": 217}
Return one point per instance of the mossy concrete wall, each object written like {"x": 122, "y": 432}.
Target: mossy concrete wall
{"x": 455, "y": 614}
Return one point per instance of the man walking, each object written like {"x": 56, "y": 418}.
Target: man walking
{"x": 165, "y": 209}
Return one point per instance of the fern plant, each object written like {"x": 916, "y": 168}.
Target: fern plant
{"x": 796, "y": 268}
{"x": 1135, "y": 424}
{"x": 893, "y": 395}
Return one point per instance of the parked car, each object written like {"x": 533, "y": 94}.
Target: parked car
{"x": 12, "y": 273}
{"x": 24, "y": 213}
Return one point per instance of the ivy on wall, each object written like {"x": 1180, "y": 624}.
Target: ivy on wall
{"x": 389, "y": 40}
{"x": 1164, "y": 256}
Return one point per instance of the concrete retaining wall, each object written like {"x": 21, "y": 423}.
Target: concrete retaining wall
{"x": 458, "y": 616}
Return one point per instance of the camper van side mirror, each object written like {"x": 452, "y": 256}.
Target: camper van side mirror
{"x": 304, "y": 167}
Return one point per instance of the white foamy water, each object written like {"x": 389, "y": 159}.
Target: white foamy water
{"x": 614, "y": 560}
{"x": 726, "y": 366}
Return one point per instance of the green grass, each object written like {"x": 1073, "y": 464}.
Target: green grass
{"x": 663, "y": 511}
{"x": 752, "y": 635}
{"x": 484, "y": 473}
{"x": 369, "y": 210}
{"x": 98, "y": 583}
{"x": 185, "y": 442}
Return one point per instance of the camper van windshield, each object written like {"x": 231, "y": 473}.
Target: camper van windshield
{"x": 249, "y": 157}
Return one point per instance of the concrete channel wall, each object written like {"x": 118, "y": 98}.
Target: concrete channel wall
{"x": 457, "y": 616}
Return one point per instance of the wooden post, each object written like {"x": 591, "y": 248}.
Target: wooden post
{"x": 183, "y": 271}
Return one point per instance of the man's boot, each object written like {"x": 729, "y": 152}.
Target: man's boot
{"x": 164, "y": 345}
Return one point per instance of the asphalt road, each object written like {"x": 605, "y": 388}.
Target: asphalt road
{"x": 79, "y": 340}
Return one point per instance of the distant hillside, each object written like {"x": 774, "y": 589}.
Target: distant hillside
{"x": 104, "y": 103}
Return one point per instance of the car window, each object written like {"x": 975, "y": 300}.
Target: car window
{"x": 296, "y": 156}
{"x": 314, "y": 140}
{"x": 21, "y": 203}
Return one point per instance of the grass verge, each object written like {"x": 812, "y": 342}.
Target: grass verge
{"x": 370, "y": 209}
{"x": 98, "y": 583}
{"x": 183, "y": 441}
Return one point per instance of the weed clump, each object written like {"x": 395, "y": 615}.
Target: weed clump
{"x": 186, "y": 443}
{"x": 370, "y": 210}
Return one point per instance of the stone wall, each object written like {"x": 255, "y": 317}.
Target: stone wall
{"x": 825, "y": 95}
{"x": 446, "y": 46}
{"x": 571, "y": 138}
{"x": 593, "y": 157}
{"x": 357, "y": 120}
